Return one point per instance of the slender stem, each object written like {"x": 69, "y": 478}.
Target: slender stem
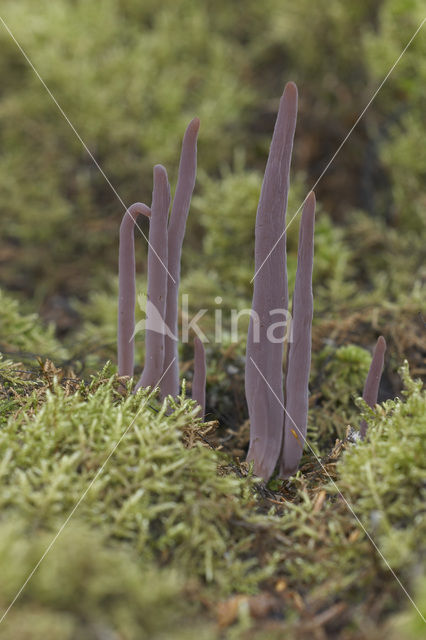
{"x": 127, "y": 289}
{"x": 299, "y": 348}
{"x": 181, "y": 202}
{"x": 157, "y": 281}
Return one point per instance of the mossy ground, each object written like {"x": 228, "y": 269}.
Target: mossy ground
{"x": 175, "y": 538}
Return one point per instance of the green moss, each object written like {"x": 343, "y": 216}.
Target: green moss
{"x": 390, "y": 262}
{"x": 400, "y": 152}
{"x": 162, "y": 497}
{"x": 409, "y": 624}
{"x": 146, "y": 71}
{"x": 12, "y": 386}
{"x": 330, "y": 556}
{"x": 24, "y": 334}
{"x": 87, "y": 588}
{"x": 168, "y": 506}
{"x": 385, "y": 475}
{"x": 338, "y": 376}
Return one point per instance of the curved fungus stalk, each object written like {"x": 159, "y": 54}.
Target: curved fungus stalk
{"x": 164, "y": 257}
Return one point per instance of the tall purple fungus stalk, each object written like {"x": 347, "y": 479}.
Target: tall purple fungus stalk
{"x": 176, "y": 231}
{"x": 299, "y": 349}
{"x": 372, "y": 382}
{"x": 127, "y": 289}
{"x": 264, "y": 357}
{"x": 157, "y": 280}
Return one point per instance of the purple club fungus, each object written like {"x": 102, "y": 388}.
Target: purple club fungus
{"x": 164, "y": 256}
{"x": 176, "y": 231}
{"x": 372, "y": 382}
{"x": 265, "y": 399}
{"x": 127, "y": 289}
{"x": 199, "y": 379}
{"x": 299, "y": 349}
{"x": 157, "y": 279}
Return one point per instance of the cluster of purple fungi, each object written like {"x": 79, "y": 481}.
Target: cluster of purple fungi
{"x": 278, "y": 407}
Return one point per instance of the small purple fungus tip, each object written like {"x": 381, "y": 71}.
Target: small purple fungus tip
{"x": 127, "y": 289}
{"x": 372, "y": 382}
{"x": 199, "y": 380}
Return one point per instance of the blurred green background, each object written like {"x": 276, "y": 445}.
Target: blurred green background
{"x": 130, "y": 75}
